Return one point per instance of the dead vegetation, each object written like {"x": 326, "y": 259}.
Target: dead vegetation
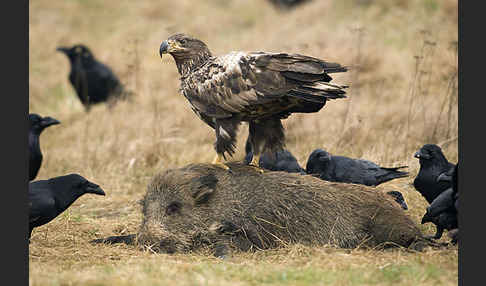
{"x": 402, "y": 95}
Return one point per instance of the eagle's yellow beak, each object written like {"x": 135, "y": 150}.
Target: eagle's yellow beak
{"x": 169, "y": 46}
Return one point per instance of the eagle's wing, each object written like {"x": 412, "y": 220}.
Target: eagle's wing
{"x": 232, "y": 83}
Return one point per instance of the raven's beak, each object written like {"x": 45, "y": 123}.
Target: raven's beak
{"x": 404, "y": 205}
{"x": 48, "y": 121}
{"x": 62, "y": 49}
{"x": 94, "y": 189}
{"x": 164, "y": 47}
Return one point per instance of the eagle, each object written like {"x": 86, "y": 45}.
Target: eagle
{"x": 260, "y": 88}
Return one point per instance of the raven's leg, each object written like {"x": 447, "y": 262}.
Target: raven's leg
{"x": 265, "y": 135}
{"x": 225, "y": 139}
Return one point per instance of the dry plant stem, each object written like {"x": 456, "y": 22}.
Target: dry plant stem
{"x": 355, "y": 81}
{"x": 413, "y": 89}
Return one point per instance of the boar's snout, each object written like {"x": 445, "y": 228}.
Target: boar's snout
{"x": 155, "y": 237}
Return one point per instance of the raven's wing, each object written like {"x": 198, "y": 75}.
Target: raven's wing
{"x": 107, "y": 76}
{"x": 42, "y": 207}
{"x": 441, "y": 203}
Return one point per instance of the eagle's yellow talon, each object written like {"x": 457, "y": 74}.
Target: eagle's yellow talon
{"x": 255, "y": 162}
{"x": 218, "y": 161}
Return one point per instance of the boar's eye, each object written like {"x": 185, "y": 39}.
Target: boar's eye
{"x": 173, "y": 208}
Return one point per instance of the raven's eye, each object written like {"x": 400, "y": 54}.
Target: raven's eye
{"x": 173, "y": 208}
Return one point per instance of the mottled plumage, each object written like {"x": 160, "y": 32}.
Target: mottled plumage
{"x": 258, "y": 87}
{"x": 37, "y": 124}
{"x": 432, "y": 164}
{"x": 93, "y": 81}
{"x": 348, "y": 170}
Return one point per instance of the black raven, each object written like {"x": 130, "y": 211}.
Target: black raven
{"x": 432, "y": 164}
{"x": 49, "y": 198}
{"x": 444, "y": 208}
{"x": 348, "y": 170}
{"x": 36, "y": 125}
{"x": 442, "y": 213}
{"x": 281, "y": 160}
{"x": 93, "y": 81}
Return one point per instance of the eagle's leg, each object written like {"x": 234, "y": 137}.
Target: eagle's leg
{"x": 219, "y": 161}
{"x": 255, "y": 161}
{"x": 225, "y": 139}
{"x": 265, "y": 135}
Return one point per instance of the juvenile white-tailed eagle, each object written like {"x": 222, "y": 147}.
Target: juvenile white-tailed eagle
{"x": 257, "y": 87}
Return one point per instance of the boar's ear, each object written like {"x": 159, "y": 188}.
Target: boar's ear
{"x": 205, "y": 186}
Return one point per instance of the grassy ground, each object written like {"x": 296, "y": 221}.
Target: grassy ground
{"x": 403, "y": 94}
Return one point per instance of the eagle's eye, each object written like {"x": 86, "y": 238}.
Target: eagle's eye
{"x": 183, "y": 41}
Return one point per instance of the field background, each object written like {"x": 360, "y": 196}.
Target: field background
{"x": 403, "y": 94}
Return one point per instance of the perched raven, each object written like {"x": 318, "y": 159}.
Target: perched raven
{"x": 432, "y": 164}
{"x": 442, "y": 213}
{"x": 399, "y": 199}
{"x": 347, "y": 170}
{"x": 444, "y": 208}
{"x": 36, "y": 125}
{"x": 281, "y": 160}
{"x": 93, "y": 81}
{"x": 49, "y": 198}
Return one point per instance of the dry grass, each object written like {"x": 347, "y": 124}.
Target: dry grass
{"x": 403, "y": 94}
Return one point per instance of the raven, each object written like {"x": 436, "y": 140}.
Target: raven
{"x": 36, "y": 125}
{"x": 281, "y": 160}
{"x": 348, "y": 170}
{"x": 432, "y": 164}
{"x": 443, "y": 211}
{"x": 93, "y": 81}
{"x": 49, "y": 198}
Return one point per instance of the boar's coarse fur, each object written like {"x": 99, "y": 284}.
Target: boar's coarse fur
{"x": 202, "y": 204}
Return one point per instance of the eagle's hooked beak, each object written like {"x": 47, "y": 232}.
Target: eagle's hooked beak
{"x": 164, "y": 47}
{"x": 169, "y": 46}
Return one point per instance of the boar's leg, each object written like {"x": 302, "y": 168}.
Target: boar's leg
{"x": 221, "y": 249}
{"x": 127, "y": 239}
{"x": 233, "y": 235}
